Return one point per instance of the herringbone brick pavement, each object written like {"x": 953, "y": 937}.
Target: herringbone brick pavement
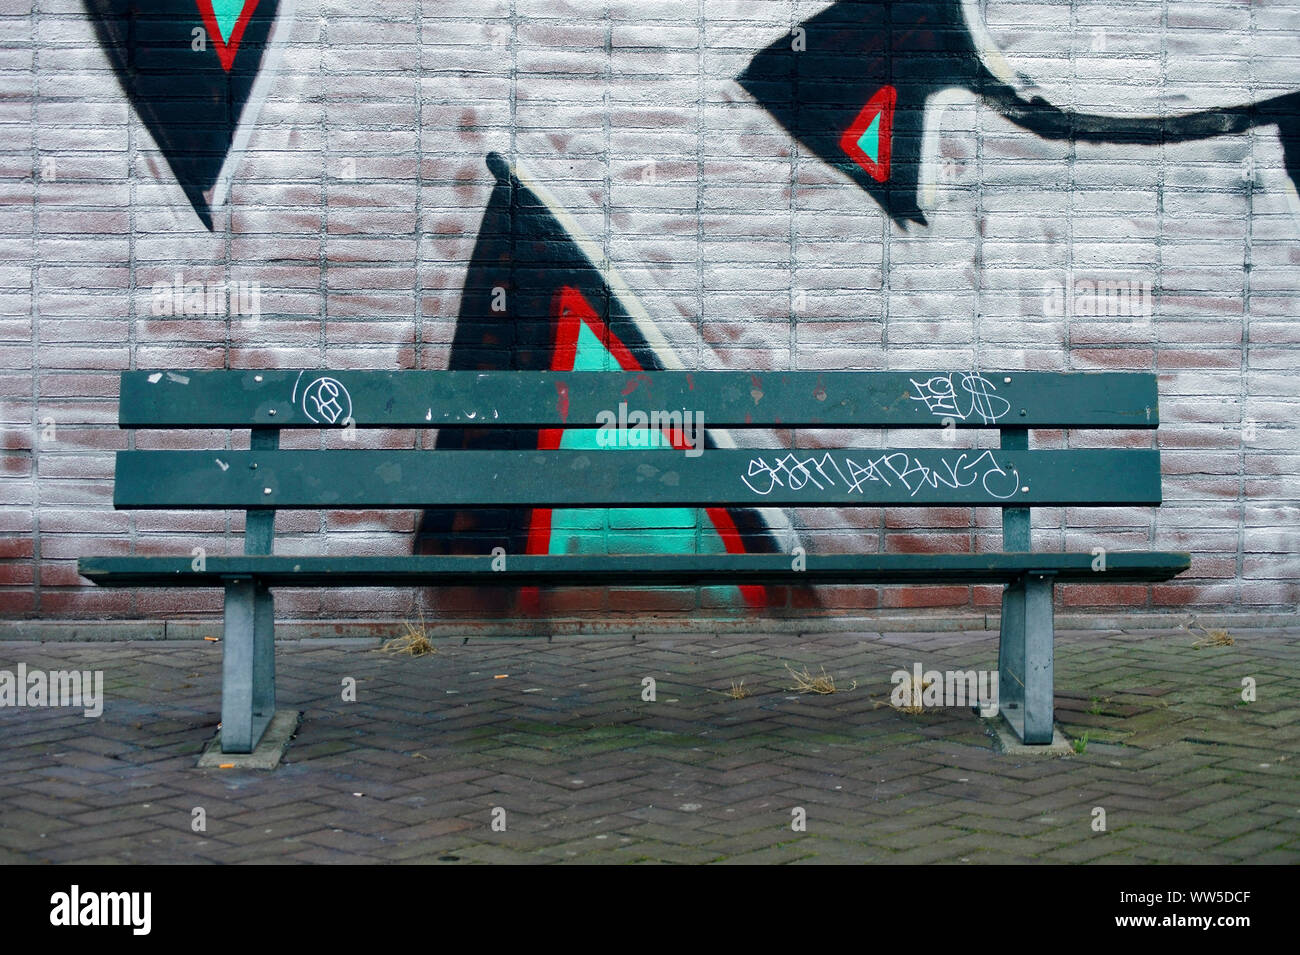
{"x": 557, "y": 734}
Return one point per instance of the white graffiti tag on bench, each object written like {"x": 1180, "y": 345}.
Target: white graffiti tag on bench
{"x": 325, "y": 401}
{"x": 798, "y": 470}
{"x": 942, "y": 398}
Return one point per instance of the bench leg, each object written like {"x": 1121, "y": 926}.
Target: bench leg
{"x": 247, "y": 666}
{"x": 1011, "y": 656}
{"x": 1025, "y": 685}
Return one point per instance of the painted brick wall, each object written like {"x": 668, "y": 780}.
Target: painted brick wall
{"x": 357, "y": 203}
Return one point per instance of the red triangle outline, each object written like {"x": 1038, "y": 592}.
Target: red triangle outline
{"x": 225, "y": 52}
{"x": 570, "y": 309}
{"x": 881, "y": 104}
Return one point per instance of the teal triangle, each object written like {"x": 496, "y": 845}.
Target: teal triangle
{"x": 591, "y": 353}
{"x": 227, "y": 13}
{"x": 869, "y": 143}
{"x": 666, "y": 530}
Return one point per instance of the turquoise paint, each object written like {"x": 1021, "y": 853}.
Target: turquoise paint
{"x": 869, "y": 142}
{"x": 227, "y": 13}
{"x": 623, "y": 530}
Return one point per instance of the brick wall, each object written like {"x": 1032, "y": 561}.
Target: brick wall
{"x": 357, "y": 203}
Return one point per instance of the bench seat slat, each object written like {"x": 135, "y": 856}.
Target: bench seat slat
{"x": 315, "y": 398}
{"x": 632, "y": 569}
{"x": 346, "y": 479}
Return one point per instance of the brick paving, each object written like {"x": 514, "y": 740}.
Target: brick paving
{"x": 587, "y": 771}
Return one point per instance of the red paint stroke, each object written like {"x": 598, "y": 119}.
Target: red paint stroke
{"x": 570, "y": 310}
{"x": 225, "y": 51}
{"x": 562, "y": 401}
{"x": 634, "y": 383}
{"x": 882, "y": 105}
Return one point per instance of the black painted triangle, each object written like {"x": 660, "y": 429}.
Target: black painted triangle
{"x": 858, "y": 63}
{"x": 534, "y": 300}
{"x": 193, "y": 91}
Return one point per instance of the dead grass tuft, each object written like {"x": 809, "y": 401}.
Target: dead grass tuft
{"x": 808, "y": 682}
{"x": 738, "y": 691}
{"x": 1210, "y": 638}
{"x": 414, "y": 642}
{"x": 1215, "y": 638}
{"x": 912, "y": 693}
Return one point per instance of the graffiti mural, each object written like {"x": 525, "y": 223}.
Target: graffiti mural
{"x": 533, "y": 299}
{"x": 852, "y": 84}
{"x": 196, "y": 72}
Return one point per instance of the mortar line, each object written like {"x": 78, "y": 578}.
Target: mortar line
{"x": 38, "y": 176}
{"x": 1244, "y": 348}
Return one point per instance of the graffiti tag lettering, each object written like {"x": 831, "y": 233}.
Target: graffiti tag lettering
{"x": 976, "y": 402}
{"x": 852, "y": 471}
{"x": 327, "y": 401}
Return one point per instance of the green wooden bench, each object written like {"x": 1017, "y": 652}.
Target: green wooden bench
{"x": 265, "y": 479}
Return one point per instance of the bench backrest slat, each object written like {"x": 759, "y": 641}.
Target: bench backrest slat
{"x": 319, "y": 398}
{"x": 620, "y": 478}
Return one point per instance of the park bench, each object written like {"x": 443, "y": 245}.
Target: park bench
{"x": 264, "y": 479}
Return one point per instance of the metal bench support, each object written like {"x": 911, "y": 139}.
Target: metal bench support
{"x": 1025, "y": 684}
{"x": 248, "y": 656}
{"x": 248, "y": 666}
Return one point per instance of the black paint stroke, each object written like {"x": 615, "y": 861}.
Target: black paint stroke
{"x": 524, "y": 249}
{"x": 855, "y": 47}
{"x": 190, "y": 104}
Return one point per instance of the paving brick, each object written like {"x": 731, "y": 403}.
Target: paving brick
{"x": 692, "y": 794}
